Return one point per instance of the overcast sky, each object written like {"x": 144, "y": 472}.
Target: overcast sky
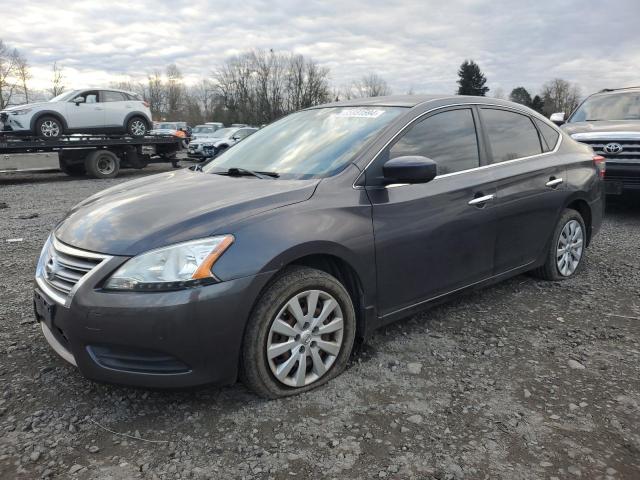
{"x": 414, "y": 45}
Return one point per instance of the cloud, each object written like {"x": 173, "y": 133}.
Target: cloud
{"x": 414, "y": 45}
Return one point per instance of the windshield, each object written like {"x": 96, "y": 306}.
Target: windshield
{"x": 63, "y": 96}
{"x": 225, "y": 132}
{"x": 617, "y": 106}
{"x": 309, "y": 144}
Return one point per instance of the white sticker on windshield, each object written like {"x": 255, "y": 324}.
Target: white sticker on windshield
{"x": 359, "y": 113}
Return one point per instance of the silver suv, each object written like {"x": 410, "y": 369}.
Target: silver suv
{"x": 609, "y": 121}
{"x": 80, "y": 111}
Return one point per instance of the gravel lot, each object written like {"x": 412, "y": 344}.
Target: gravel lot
{"x": 527, "y": 379}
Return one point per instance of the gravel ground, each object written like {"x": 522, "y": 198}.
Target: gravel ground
{"x": 527, "y": 379}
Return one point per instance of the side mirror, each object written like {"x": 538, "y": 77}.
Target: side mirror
{"x": 412, "y": 169}
{"x": 235, "y": 137}
{"x": 557, "y": 118}
{"x": 79, "y": 100}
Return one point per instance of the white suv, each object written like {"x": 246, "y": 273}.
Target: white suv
{"x": 80, "y": 111}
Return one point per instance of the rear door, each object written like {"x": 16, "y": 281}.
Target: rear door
{"x": 116, "y": 106}
{"x": 530, "y": 184}
{"x": 86, "y": 115}
{"x": 436, "y": 237}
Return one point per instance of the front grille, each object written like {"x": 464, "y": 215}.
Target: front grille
{"x": 62, "y": 267}
{"x": 630, "y": 149}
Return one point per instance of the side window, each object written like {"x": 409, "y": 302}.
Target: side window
{"x": 511, "y": 135}
{"x": 448, "y": 138}
{"x": 549, "y": 135}
{"x": 109, "y": 96}
{"x": 90, "y": 96}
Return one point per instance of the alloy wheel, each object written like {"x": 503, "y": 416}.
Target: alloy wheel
{"x": 138, "y": 128}
{"x": 50, "y": 128}
{"x": 305, "y": 338}
{"x": 569, "y": 248}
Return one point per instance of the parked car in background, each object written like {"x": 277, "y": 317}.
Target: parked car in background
{"x": 215, "y": 144}
{"x": 239, "y": 125}
{"x": 267, "y": 263}
{"x": 609, "y": 122}
{"x": 216, "y": 125}
{"x": 202, "y": 130}
{"x": 80, "y": 111}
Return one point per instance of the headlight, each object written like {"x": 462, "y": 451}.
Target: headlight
{"x": 22, "y": 111}
{"x": 171, "y": 268}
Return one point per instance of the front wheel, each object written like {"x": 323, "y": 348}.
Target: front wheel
{"x": 300, "y": 334}
{"x": 566, "y": 250}
{"x": 48, "y": 127}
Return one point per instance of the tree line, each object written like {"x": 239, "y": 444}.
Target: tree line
{"x": 257, "y": 87}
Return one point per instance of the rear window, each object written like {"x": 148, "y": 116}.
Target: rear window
{"x": 511, "y": 135}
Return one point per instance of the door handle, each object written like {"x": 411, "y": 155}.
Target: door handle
{"x": 480, "y": 201}
{"x": 554, "y": 182}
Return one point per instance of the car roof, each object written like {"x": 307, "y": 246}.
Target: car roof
{"x": 410, "y": 101}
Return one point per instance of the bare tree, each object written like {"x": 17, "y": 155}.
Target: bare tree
{"x": 372, "y": 85}
{"x": 57, "y": 82}
{"x": 23, "y": 75}
{"x": 8, "y": 81}
{"x": 174, "y": 92}
{"x": 560, "y": 95}
{"x": 155, "y": 94}
{"x": 258, "y": 87}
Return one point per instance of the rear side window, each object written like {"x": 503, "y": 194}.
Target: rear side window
{"x": 448, "y": 138}
{"x": 511, "y": 135}
{"x": 108, "y": 96}
{"x": 549, "y": 135}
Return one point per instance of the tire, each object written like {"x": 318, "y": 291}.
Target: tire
{"x": 137, "y": 127}
{"x": 570, "y": 227}
{"x": 49, "y": 127}
{"x": 102, "y": 164}
{"x": 257, "y": 371}
{"x": 71, "y": 169}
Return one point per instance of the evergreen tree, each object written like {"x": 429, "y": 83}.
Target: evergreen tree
{"x": 472, "y": 81}
{"x": 537, "y": 104}
{"x": 520, "y": 95}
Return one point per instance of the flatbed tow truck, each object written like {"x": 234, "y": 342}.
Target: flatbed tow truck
{"x": 96, "y": 156}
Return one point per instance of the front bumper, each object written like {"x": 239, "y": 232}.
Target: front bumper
{"x": 14, "y": 123}
{"x": 621, "y": 177}
{"x": 159, "y": 340}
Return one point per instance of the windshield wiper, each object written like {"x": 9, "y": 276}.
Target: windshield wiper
{"x": 239, "y": 172}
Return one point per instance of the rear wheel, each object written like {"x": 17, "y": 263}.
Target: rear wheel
{"x": 102, "y": 164}
{"x": 566, "y": 251}
{"x": 300, "y": 334}
{"x": 49, "y": 127}
{"x": 137, "y": 127}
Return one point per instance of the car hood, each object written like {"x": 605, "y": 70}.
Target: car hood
{"x": 25, "y": 105}
{"x": 604, "y": 129}
{"x": 173, "y": 207}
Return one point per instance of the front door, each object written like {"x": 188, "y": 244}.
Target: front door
{"x": 86, "y": 115}
{"x": 433, "y": 238}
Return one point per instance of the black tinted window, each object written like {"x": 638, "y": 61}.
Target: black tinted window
{"x": 549, "y": 135}
{"x": 448, "y": 138}
{"x": 511, "y": 135}
{"x": 108, "y": 96}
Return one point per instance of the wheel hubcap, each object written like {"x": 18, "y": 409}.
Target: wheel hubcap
{"x": 138, "y": 128}
{"x": 569, "y": 248}
{"x": 305, "y": 338}
{"x": 50, "y": 128}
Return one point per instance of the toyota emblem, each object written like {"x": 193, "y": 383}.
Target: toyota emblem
{"x": 612, "y": 148}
